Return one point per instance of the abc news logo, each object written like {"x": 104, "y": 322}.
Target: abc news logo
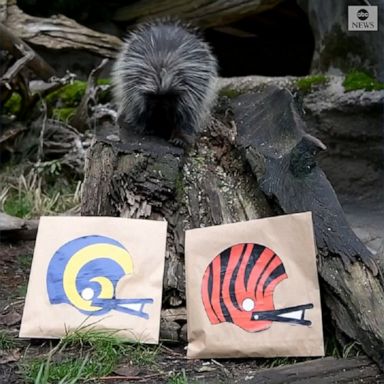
{"x": 362, "y": 18}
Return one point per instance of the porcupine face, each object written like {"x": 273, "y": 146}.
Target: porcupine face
{"x": 164, "y": 79}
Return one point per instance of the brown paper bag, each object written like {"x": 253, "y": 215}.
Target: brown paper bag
{"x": 252, "y": 289}
{"x": 102, "y": 273}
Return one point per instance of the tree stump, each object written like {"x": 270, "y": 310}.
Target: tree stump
{"x": 254, "y": 160}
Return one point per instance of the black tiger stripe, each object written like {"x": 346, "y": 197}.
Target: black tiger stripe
{"x": 263, "y": 271}
{"x": 278, "y": 271}
{"x": 232, "y": 282}
{"x": 255, "y": 254}
{"x": 224, "y": 258}
{"x": 210, "y": 288}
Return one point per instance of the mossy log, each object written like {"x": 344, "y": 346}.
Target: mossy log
{"x": 254, "y": 160}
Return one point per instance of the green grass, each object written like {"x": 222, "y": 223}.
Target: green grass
{"x": 31, "y": 195}
{"x": 350, "y": 350}
{"x": 24, "y": 261}
{"x": 109, "y": 343}
{"x": 178, "y": 378}
{"x": 62, "y": 374}
{"x": 335, "y": 349}
{"x": 307, "y": 84}
{"x": 63, "y": 114}
{"x": 18, "y": 204}
{"x": 86, "y": 355}
{"x": 355, "y": 80}
{"x": 21, "y": 290}
{"x": 7, "y": 342}
{"x": 68, "y": 369}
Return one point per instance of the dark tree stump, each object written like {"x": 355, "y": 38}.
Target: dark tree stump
{"x": 255, "y": 160}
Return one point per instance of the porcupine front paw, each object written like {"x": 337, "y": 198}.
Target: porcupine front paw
{"x": 180, "y": 139}
{"x": 178, "y": 142}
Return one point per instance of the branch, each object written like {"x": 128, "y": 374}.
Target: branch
{"x": 80, "y": 119}
{"x": 19, "y": 49}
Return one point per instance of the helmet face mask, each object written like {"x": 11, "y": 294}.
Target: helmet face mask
{"x": 238, "y": 286}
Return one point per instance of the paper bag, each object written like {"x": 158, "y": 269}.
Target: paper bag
{"x": 252, "y": 289}
{"x": 102, "y": 273}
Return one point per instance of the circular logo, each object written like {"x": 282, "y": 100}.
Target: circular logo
{"x": 362, "y": 14}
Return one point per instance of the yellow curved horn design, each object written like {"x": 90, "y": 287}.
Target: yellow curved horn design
{"x": 84, "y": 256}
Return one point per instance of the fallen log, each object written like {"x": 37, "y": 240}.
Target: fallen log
{"x": 24, "y": 53}
{"x": 14, "y": 228}
{"x": 255, "y": 160}
{"x": 57, "y": 32}
{"x": 202, "y": 12}
{"x": 320, "y": 371}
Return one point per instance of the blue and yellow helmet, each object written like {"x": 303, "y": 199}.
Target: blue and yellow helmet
{"x": 84, "y": 273}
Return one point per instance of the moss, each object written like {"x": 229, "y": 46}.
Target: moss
{"x": 104, "y": 82}
{"x": 344, "y": 51}
{"x": 361, "y": 80}
{"x": 63, "y": 114}
{"x": 306, "y": 84}
{"x": 13, "y": 104}
{"x": 230, "y": 92}
{"x": 73, "y": 93}
{"x": 70, "y": 95}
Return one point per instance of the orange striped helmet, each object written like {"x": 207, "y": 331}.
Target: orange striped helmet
{"x": 238, "y": 287}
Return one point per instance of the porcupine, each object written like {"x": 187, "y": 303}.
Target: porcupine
{"x": 164, "y": 81}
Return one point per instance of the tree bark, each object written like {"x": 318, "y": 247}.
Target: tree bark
{"x": 254, "y": 160}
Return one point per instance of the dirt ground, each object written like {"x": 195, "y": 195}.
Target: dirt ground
{"x": 172, "y": 367}
{"x": 15, "y": 260}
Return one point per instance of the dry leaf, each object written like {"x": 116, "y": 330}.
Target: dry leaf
{"x": 9, "y": 356}
{"x": 11, "y": 318}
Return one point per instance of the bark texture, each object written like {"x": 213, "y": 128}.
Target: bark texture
{"x": 254, "y": 160}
